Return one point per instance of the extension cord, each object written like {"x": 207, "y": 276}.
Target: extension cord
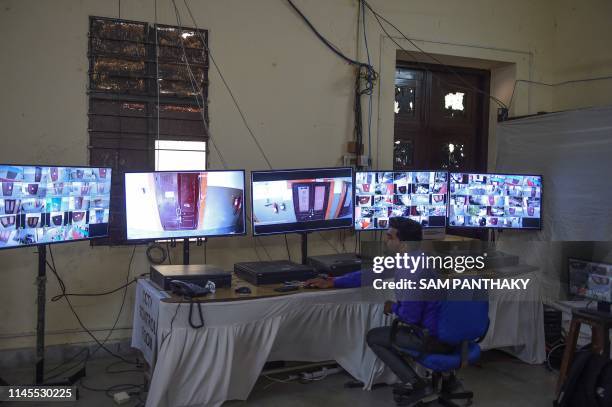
{"x": 321, "y": 373}
{"x": 121, "y": 398}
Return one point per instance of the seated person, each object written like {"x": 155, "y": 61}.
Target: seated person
{"x": 400, "y": 230}
{"x": 422, "y": 313}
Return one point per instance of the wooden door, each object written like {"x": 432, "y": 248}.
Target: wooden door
{"x": 440, "y": 119}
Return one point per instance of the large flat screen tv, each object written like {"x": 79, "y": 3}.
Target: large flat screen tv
{"x": 48, "y": 204}
{"x": 304, "y": 200}
{"x": 506, "y": 201}
{"x": 184, "y": 204}
{"x": 418, "y": 195}
{"x": 590, "y": 279}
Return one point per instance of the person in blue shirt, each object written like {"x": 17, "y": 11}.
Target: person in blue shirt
{"x": 422, "y": 313}
{"x": 400, "y": 230}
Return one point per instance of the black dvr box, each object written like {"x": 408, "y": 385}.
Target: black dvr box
{"x": 198, "y": 274}
{"x": 335, "y": 264}
{"x": 273, "y": 272}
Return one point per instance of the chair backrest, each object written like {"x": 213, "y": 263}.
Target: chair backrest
{"x": 460, "y": 321}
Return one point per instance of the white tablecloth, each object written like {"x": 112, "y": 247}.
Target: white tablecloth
{"x": 223, "y": 360}
{"x": 517, "y": 322}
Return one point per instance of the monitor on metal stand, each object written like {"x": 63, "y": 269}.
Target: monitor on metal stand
{"x": 42, "y": 205}
{"x": 301, "y": 201}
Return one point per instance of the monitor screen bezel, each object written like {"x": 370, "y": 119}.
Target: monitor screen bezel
{"x": 448, "y": 225}
{"x": 306, "y": 230}
{"x": 71, "y": 240}
{"x": 572, "y": 295}
{"x": 424, "y": 227}
{"x": 174, "y": 238}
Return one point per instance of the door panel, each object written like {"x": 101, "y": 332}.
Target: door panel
{"x": 310, "y": 200}
{"x": 440, "y": 121}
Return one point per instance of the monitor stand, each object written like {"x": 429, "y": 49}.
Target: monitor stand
{"x": 185, "y": 251}
{"x": 41, "y": 283}
{"x": 186, "y": 242}
{"x": 304, "y": 247}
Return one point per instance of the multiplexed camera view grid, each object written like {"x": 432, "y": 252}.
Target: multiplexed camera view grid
{"x": 40, "y": 205}
{"x": 590, "y": 280}
{"x": 419, "y": 195}
{"x": 495, "y": 201}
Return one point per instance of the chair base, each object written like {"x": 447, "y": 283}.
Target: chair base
{"x": 447, "y": 399}
{"x": 435, "y": 391}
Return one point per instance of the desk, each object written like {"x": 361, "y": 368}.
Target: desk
{"x": 223, "y": 360}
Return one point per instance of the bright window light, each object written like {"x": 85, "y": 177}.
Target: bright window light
{"x": 171, "y": 155}
{"x": 454, "y": 101}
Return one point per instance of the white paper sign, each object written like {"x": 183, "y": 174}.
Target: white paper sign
{"x": 146, "y": 312}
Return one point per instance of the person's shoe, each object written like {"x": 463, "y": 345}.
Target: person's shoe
{"x": 412, "y": 394}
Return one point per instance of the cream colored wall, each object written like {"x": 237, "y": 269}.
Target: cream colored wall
{"x": 297, "y": 97}
{"x": 583, "y": 30}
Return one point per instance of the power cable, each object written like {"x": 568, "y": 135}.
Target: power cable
{"x": 195, "y": 87}
{"x": 229, "y": 90}
{"x": 600, "y": 78}
{"x": 287, "y": 246}
{"x": 365, "y": 41}
{"x": 53, "y": 269}
{"x": 432, "y": 57}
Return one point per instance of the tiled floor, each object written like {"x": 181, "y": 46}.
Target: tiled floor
{"x": 499, "y": 381}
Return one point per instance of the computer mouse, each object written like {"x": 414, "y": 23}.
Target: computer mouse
{"x": 242, "y": 290}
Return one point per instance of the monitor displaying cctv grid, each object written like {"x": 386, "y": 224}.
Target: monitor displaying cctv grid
{"x": 505, "y": 201}
{"x": 419, "y": 195}
{"x": 49, "y": 204}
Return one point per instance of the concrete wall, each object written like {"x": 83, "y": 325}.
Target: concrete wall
{"x": 582, "y": 35}
{"x": 297, "y": 97}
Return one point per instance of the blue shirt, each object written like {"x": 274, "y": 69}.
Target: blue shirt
{"x": 422, "y": 313}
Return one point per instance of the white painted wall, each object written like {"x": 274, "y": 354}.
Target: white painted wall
{"x": 297, "y": 97}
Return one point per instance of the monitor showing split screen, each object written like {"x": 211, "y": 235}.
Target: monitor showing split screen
{"x": 287, "y": 201}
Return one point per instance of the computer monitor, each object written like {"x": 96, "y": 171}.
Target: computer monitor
{"x": 591, "y": 280}
{"x": 418, "y": 195}
{"x": 304, "y": 200}
{"x": 503, "y": 201}
{"x": 184, "y": 204}
{"x": 48, "y": 204}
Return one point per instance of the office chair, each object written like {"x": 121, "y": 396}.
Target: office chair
{"x": 461, "y": 324}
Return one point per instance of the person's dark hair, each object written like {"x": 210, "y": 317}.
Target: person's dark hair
{"x": 407, "y": 229}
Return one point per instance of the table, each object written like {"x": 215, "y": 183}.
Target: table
{"x": 223, "y": 360}
{"x": 600, "y": 323}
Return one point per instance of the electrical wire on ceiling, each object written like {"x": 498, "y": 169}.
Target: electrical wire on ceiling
{"x": 448, "y": 68}
{"x": 365, "y": 74}
{"x": 157, "y": 85}
{"x": 365, "y": 41}
{"x": 599, "y": 78}
{"x": 227, "y": 87}
{"x": 198, "y": 91}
